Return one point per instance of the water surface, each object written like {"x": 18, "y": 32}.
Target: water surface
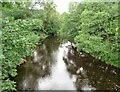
{"x": 55, "y": 65}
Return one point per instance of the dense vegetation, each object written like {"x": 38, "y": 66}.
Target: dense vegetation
{"x": 93, "y": 27}
{"x": 22, "y": 28}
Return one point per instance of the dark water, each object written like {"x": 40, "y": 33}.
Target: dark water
{"x": 55, "y": 65}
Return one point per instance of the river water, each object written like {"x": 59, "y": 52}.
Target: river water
{"x": 55, "y": 65}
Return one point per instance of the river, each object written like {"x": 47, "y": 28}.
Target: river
{"x": 55, "y": 65}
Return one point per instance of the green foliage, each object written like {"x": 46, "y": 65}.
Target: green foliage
{"x": 100, "y": 27}
{"x": 94, "y": 28}
{"x": 71, "y": 23}
{"x": 17, "y": 42}
{"x": 8, "y": 85}
{"x": 14, "y": 10}
{"x": 51, "y": 21}
{"x": 22, "y": 28}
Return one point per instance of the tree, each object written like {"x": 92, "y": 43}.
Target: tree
{"x": 94, "y": 28}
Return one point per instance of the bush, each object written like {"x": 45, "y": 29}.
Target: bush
{"x": 17, "y": 42}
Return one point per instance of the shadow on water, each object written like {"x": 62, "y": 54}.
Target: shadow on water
{"x": 55, "y": 65}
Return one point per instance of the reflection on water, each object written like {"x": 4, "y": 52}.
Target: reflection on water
{"x": 55, "y": 65}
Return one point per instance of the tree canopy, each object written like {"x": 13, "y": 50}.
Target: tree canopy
{"x": 93, "y": 26}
